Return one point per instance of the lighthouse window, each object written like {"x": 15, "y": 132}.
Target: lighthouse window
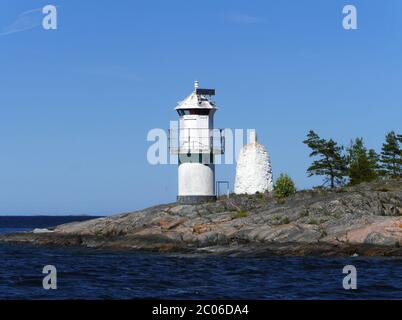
{"x": 183, "y": 112}
{"x": 202, "y": 112}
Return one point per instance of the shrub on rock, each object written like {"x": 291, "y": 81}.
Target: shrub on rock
{"x": 284, "y": 186}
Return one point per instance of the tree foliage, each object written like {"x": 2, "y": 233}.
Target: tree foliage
{"x": 284, "y": 186}
{"x": 391, "y": 155}
{"x": 330, "y": 161}
{"x": 359, "y": 164}
{"x": 362, "y": 164}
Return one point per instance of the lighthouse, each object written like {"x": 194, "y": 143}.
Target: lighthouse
{"x": 196, "y": 143}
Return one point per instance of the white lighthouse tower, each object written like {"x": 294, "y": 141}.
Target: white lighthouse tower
{"x": 197, "y": 142}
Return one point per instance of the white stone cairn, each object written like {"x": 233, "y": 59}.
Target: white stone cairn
{"x": 253, "y": 171}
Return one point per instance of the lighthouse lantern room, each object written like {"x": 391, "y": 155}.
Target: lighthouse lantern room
{"x": 196, "y": 143}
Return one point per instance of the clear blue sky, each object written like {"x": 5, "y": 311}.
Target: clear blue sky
{"x": 76, "y": 103}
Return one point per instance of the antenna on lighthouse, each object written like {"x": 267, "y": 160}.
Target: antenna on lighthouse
{"x": 204, "y": 92}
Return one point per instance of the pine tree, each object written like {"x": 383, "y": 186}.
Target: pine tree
{"x": 391, "y": 155}
{"x": 374, "y": 159}
{"x": 362, "y": 164}
{"x": 331, "y": 162}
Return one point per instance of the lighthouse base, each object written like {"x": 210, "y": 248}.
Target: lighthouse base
{"x": 195, "y": 199}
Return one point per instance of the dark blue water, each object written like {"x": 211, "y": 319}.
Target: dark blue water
{"x": 93, "y": 274}
{"x": 10, "y": 224}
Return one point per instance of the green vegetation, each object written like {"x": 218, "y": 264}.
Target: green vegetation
{"x": 362, "y": 164}
{"x": 241, "y": 214}
{"x": 304, "y": 214}
{"x": 284, "y": 186}
{"x": 358, "y": 164}
{"x": 313, "y": 221}
{"x": 281, "y": 220}
{"x": 383, "y": 189}
{"x": 260, "y": 195}
{"x": 391, "y": 155}
{"x": 330, "y": 162}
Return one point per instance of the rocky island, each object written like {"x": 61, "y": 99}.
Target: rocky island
{"x": 361, "y": 220}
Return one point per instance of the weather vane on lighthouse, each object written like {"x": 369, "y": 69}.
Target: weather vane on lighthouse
{"x": 197, "y": 144}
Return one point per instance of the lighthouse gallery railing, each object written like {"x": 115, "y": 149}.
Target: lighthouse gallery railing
{"x": 196, "y": 140}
